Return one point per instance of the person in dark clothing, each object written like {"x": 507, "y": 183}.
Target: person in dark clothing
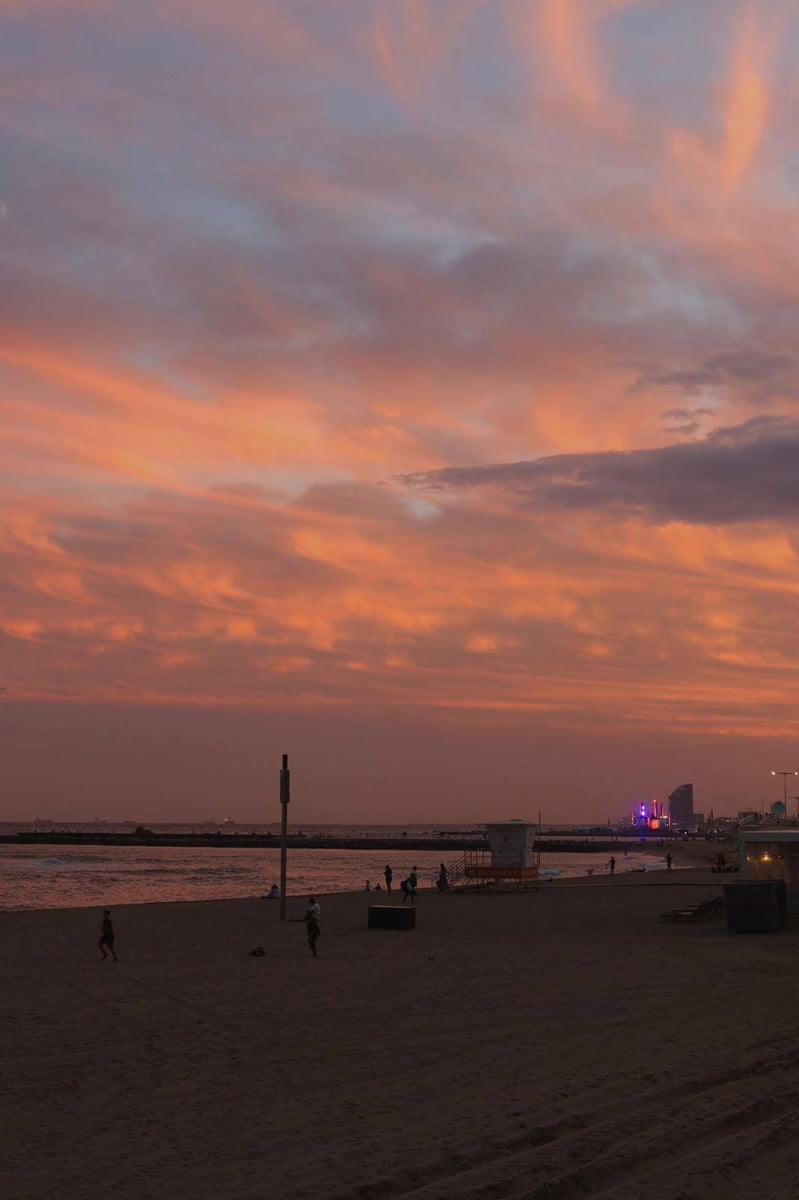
{"x": 313, "y": 924}
{"x": 612, "y": 864}
{"x": 389, "y": 874}
{"x": 106, "y": 941}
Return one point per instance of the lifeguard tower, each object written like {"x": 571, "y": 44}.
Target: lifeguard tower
{"x": 513, "y": 857}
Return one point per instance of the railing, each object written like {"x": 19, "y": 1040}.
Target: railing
{"x": 456, "y": 874}
{"x": 476, "y": 867}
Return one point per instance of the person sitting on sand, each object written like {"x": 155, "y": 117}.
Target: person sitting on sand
{"x": 313, "y": 924}
{"x": 107, "y": 936}
{"x": 274, "y": 892}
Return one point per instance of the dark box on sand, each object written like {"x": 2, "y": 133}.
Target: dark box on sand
{"x": 391, "y": 916}
{"x": 755, "y": 907}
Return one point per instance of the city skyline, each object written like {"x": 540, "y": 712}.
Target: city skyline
{"x": 407, "y": 387}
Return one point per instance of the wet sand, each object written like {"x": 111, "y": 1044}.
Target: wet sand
{"x": 563, "y": 1043}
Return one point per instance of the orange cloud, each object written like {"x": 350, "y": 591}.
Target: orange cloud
{"x": 413, "y": 37}
{"x": 719, "y": 167}
{"x": 747, "y": 100}
{"x": 283, "y": 293}
{"x": 563, "y": 39}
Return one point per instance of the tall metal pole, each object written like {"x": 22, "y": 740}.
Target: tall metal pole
{"x": 785, "y": 775}
{"x": 285, "y": 796}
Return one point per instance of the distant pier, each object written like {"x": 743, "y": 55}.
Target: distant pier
{"x": 264, "y": 841}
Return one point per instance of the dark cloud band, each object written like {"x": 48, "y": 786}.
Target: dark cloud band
{"x": 748, "y": 472}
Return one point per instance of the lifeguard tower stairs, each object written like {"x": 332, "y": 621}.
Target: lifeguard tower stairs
{"x": 512, "y": 861}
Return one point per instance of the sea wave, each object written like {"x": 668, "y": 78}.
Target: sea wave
{"x": 81, "y": 877}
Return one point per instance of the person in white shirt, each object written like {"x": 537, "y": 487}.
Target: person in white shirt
{"x": 313, "y": 924}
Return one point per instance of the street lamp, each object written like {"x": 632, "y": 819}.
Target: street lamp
{"x": 785, "y": 776}
{"x": 285, "y": 796}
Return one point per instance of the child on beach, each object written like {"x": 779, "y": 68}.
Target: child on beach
{"x": 312, "y": 924}
{"x": 107, "y": 936}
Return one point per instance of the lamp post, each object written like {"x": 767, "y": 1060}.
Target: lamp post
{"x": 285, "y": 796}
{"x": 785, "y": 777}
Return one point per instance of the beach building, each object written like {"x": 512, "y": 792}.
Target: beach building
{"x": 771, "y": 852}
{"x": 513, "y": 856}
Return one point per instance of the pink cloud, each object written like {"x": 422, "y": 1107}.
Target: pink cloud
{"x": 258, "y": 267}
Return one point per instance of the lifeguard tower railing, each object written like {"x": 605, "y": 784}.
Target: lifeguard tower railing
{"x": 476, "y": 869}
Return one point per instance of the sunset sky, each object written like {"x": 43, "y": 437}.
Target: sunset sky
{"x": 409, "y": 386}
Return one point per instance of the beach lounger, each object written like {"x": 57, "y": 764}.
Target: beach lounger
{"x": 698, "y": 912}
{"x": 682, "y": 914}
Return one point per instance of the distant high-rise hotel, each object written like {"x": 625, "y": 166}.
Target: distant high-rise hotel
{"x": 681, "y": 807}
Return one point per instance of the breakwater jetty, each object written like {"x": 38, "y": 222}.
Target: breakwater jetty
{"x": 240, "y": 841}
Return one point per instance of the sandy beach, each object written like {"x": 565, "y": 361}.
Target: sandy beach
{"x": 554, "y": 1044}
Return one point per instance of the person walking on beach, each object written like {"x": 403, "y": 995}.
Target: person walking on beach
{"x": 668, "y": 861}
{"x": 106, "y": 941}
{"x": 313, "y": 924}
{"x": 409, "y": 889}
{"x": 612, "y": 864}
{"x": 389, "y": 874}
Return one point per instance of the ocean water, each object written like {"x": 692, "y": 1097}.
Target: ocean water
{"x": 52, "y": 876}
